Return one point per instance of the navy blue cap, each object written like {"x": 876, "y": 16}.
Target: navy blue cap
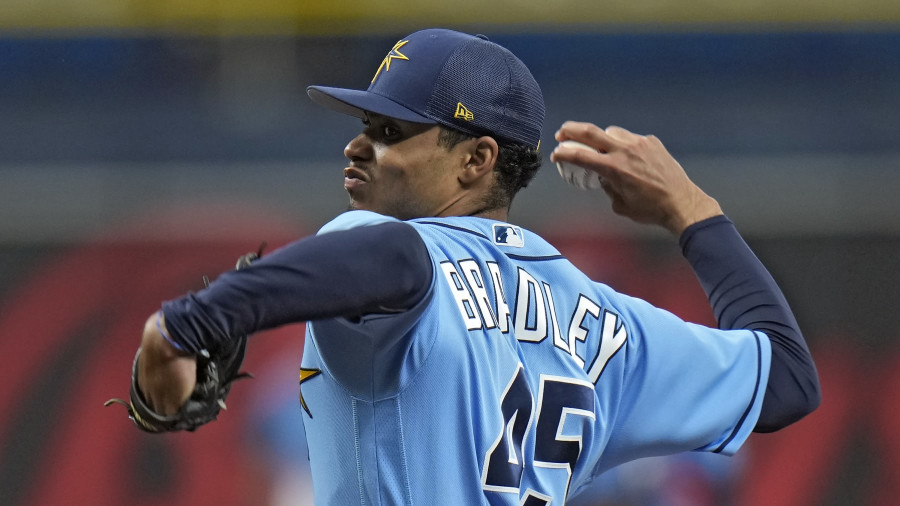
{"x": 450, "y": 78}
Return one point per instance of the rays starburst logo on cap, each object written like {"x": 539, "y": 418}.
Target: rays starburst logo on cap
{"x": 393, "y": 54}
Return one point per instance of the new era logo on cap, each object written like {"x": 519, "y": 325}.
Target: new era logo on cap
{"x": 463, "y": 112}
{"x": 451, "y": 78}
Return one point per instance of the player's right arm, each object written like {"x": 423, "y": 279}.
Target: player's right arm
{"x": 648, "y": 185}
{"x": 644, "y": 182}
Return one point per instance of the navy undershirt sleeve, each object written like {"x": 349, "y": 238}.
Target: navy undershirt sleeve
{"x": 382, "y": 268}
{"x": 744, "y": 295}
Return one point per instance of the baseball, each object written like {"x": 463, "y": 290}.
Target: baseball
{"x": 576, "y": 176}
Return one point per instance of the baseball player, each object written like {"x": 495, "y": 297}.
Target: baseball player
{"x": 452, "y": 357}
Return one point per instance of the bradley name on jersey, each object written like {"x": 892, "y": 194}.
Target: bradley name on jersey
{"x": 534, "y": 312}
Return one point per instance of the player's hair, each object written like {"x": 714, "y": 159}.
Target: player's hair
{"x": 516, "y": 166}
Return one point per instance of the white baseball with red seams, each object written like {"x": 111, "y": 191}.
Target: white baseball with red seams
{"x": 581, "y": 178}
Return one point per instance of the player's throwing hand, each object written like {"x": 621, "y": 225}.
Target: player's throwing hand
{"x": 643, "y": 180}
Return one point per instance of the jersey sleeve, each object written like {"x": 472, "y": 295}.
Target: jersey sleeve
{"x": 684, "y": 386}
{"x": 743, "y": 295}
{"x": 381, "y": 341}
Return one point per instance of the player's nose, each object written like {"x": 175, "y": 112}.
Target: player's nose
{"x": 359, "y": 148}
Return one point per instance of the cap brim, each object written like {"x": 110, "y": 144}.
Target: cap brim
{"x": 358, "y": 102}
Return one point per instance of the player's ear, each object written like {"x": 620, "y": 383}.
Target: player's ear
{"x": 481, "y": 159}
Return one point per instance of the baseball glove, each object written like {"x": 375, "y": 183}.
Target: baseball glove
{"x": 216, "y": 371}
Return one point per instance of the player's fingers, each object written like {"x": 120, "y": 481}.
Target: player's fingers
{"x": 619, "y": 133}
{"x": 583, "y": 156}
{"x": 586, "y": 133}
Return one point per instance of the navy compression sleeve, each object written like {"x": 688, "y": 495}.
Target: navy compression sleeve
{"x": 376, "y": 269}
{"x": 743, "y": 295}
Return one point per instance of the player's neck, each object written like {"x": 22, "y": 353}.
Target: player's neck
{"x": 467, "y": 205}
{"x": 499, "y": 214}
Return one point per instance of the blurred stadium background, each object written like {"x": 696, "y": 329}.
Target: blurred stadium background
{"x": 146, "y": 143}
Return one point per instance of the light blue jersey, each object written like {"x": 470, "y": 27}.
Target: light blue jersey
{"x": 516, "y": 380}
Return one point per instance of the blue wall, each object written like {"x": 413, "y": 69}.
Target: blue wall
{"x": 163, "y": 99}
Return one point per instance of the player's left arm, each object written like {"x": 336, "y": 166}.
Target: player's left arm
{"x": 381, "y": 268}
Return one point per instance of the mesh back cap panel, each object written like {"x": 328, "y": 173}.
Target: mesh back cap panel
{"x": 498, "y": 90}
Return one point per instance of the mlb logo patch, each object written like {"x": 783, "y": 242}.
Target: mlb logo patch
{"x": 508, "y": 235}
